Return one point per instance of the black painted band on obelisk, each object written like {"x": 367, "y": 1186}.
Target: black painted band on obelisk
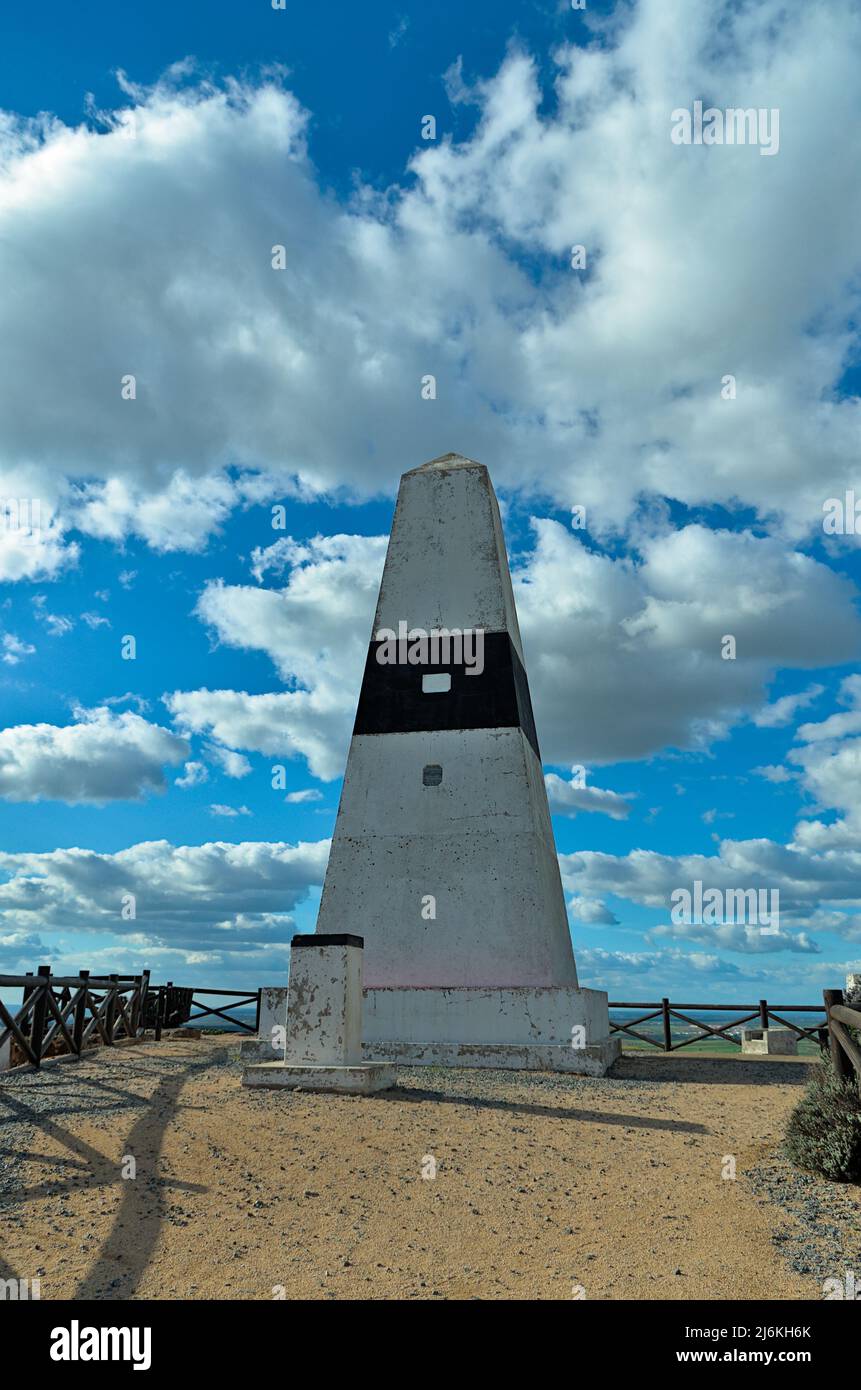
{"x": 392, "y": 700}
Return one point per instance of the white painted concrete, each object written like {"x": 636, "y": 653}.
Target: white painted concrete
{"x": 593, "y": 1060}
{"x": 468, "y": 1015}
{"x": 480, "y": 843}
{"x": 446, "y": 564}
{"x": 323, "y": 1047}
{"x": 268, "y": 1046}
{"x": 453, "y": 881}
{"x": 774, "y": 1042}
{"x": 324, "y": 1006}
{"x": 552, "y": 1029}
{"x": 352, "y": 1081}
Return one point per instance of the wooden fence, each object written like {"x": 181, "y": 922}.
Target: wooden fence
{"x": 761, "y": 1012}
{"x": 242, "y": 999}
{"x": 61, "y": 1014}
{"x": 845, "y": 1052}
{"x": 70, "y": 1013}
{"x": 67, "y": 1014}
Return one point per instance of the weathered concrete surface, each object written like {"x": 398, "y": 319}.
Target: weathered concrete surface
{"x": 536, "y": 1029}
{"x": 592, "y": 1060}
{"x": 480, "y": 843}
{"x": 533, "y": 1029}
{"x": 323, "y": 1024}
{"x": 443, "y": 857}
{"x": 446, "y": 564}
{"x": 554, "y": 1017}
{"x": 268, "y": 1046}
{"x": 348, "y": 1081}
{"x": 324, "y": 1006}
{"x": 769, "y": 1042}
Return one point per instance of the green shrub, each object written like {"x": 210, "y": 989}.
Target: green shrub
{"x": 823, "y": 1133}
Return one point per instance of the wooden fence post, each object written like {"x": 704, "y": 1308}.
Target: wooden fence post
{"x": 80, "y": 1013}
{"x": 143, "y": 1002}
{"x": 40, "y": 1012}
{"x": 763, "y": 1013}
{"x": 111, "y": 1009}
{"x": 668, "y": 1026}
{"x": 839, "y": 1060}
{"x": 27, "y": 1025}
{"x": 159, "y": 1012}
{"x": 135, "y": 1004}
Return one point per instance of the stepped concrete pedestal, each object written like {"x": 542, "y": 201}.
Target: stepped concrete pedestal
{"x": 443, "y": 857}
{"x": 466, "y": 1027}
{"x": 362, "y": 1080}
{"x": 322, "y": 1023}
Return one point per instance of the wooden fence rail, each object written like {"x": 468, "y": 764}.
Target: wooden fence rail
{"x": 761, "y": 1012}
{"x": 845, "y": 1051}
{"x": 54, "y": 1011}
{"x": 241, "y": 999}
{"x": 69, "y": 1013}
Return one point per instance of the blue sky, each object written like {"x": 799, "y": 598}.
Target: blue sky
{"x": 149, "y": 162}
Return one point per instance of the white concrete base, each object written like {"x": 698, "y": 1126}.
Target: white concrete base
{"x": 531, "y": 1027}
{"x": 258, "y": 1050}
{"x": 774, "y": 1042}
{"x": 351, "y": 1081}
{"x": 270, "y": 1043}
{"x": 593, "y": 1060}
{"x": 528, "y": 1028}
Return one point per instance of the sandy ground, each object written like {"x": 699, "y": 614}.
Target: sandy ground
{"x": 542, "y": 1182}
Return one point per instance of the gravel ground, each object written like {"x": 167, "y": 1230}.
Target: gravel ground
{"x": 543, "y": 1184}
{"x": 825, "y": 1237}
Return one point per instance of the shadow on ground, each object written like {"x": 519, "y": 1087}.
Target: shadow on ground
{"x": 720, "y": 1071}
{"x": 120, "y": 1264}
{"x": 550, "y": 1112}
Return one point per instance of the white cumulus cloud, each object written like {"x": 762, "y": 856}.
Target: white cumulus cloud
{"x": 101, "y": 757}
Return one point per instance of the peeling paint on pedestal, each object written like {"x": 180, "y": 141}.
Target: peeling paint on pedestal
{"x": 323, "y": 1023}
{"x": 324, "y": 1006}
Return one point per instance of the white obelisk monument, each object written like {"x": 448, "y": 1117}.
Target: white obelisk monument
{"x": 443, "y": 857}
